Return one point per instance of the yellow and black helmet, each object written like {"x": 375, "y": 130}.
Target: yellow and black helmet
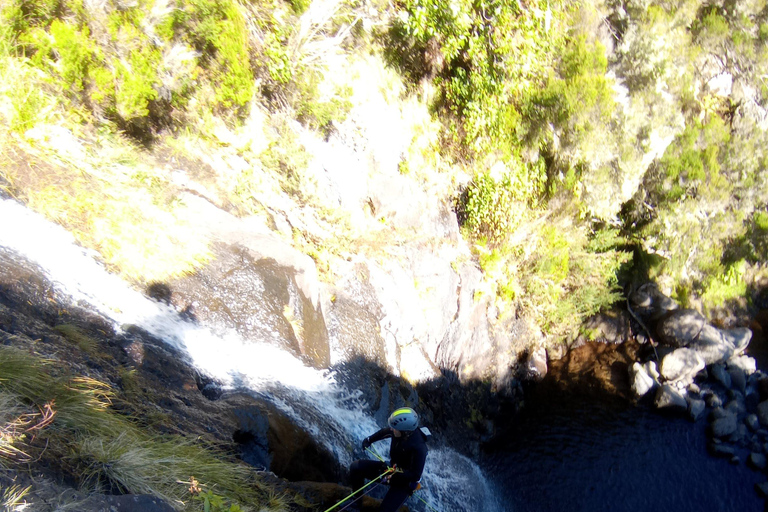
{"x": 404, "y": 419}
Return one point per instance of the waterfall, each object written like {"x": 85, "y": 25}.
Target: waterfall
{"x": 312, "y": 398}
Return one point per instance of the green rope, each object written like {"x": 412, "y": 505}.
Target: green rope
{"x": 389, "y": 470}
{"x": 371, "y": 450}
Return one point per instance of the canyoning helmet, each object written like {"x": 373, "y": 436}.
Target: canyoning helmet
{"x": 404, "y": 419}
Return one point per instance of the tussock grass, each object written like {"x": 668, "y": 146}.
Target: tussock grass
{"x": 12, "y": 498}
{"x": 108, "y": 452}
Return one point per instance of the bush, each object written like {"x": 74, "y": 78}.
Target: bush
{"x": 217, "y": 29}
{"x": 494, "y": 203}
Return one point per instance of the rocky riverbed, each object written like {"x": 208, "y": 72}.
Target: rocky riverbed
{"x": 702, "y": 371}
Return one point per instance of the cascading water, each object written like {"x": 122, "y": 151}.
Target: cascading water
{"x": 312, "y": 398}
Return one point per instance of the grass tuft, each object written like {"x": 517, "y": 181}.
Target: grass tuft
{"x": 108, "y": 452}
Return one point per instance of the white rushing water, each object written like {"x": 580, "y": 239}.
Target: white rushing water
{"x": 310, "y": 397}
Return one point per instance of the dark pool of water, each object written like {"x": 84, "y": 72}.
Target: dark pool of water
{"x": 571, "y": 452}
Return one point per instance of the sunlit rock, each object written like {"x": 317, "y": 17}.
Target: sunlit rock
{"x": 711, "y": 345}
{"x": 640, "y": 380}
{"x": 747, "y": 364}
{"x": 681, "y": 327}
{"x": 667, "y": 397}
{"x": 681, "y": 365}
{"x": 696, "y": 408}
{"x": 739, "y": 338}
{"x": 649, "y": 302}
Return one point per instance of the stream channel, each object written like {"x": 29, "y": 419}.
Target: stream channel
{"x": 565, "y": 452}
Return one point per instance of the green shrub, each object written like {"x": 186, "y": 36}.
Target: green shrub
{"x": 577, "y": 97}
{"x": 135, "y": 83}
{"x": 300, "y": 6}
{"x": 492, "y": 53}
{"x": 493, "y": 205}
{"x": 217, "y": 29}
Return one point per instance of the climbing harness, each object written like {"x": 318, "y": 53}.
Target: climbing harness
{"x": 388, "y": 471}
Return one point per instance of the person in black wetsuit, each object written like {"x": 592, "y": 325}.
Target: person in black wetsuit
{"x": 408, "y": 453}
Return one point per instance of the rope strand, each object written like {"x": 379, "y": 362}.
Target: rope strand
{"x": 388, "y": 471}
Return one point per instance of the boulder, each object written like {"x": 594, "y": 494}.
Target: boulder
{"x": 725, "y": 426}
{"x": 737, "y": 407}
{"x": 640, "y": 380}
{"x": 652, "y": 370}
{"x": 667, "y": 397}
{"x": 762, "y": 413}
{"x": 649, "y": 302}
{"x": 739, "y": 436}
{"x": 762, "y": 489}
{"x": 536, "y": 365}
{"x": 753, "y": 422}
{"x": 739, "y": 338}
{"x": 711, "y": 345}
{"x": 757, "y": 461}
{"x": 681, "y": 365}
{"x": 720, "y": 375}
{"x": 681, "y": 327}
{"x": 721, "y": 450}
{"x": 745, "y": 363}
{"x": 738, "y": 379}
{"x": 713, "y": 400}
{"x": 696, "y": 408}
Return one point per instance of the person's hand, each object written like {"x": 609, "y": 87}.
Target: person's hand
{"x": 366, "y": 443}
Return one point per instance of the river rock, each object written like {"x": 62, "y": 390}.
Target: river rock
{"x": 745, "y": 363}
{"x": 762, "y": 489}
{"x": 757, "y": 461}
{"x": 696, "y": 408}
{"x": 649, "y": 302}
{"x": 640, "y": 381}
{"x": 720, "y": 375}
{"x": 681, "y": 327}
{"x": 738, "y": 379}
{"x": 536, "y": 365}
{"x": 762, "y": 413}
{"x": 737, "y": 407}
{"x": 712, "y": 346}
{"x": 667, "y": 397}
{"x": 739, "y": 338}
{"x": 721, "y": 450}
{"x": 753, "y": 422}
{"x": 713, "y": 400}
{"x": 740, "y": 435}
{"x": 681, "y": 365}
{"x": 725, "y": 426}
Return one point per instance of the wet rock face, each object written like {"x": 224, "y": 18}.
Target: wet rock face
{"x": 270, "y": 441}
{"x": 155, "y": 382}
{"x": 260, "y": 299}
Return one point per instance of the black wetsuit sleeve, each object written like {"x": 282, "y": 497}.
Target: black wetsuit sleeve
{"x": 381, "y": 434}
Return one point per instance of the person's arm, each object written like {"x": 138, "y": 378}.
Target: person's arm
{"x": 378, "y": 436}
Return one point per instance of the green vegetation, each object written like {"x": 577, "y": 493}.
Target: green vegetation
{"x": 68, "y": 423}
{"x": 565, "y": 118}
